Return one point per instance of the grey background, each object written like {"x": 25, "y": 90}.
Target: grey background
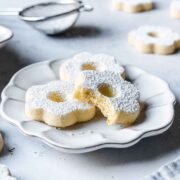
{"x": 104, "y": 30}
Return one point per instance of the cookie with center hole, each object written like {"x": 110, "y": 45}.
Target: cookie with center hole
{"x": 84, "y": 61}
{"x": 133, "y": 6}
{"x": 117, "y": 99}
{"x": 53, "y": 104}
{"x": 154, "y": 39}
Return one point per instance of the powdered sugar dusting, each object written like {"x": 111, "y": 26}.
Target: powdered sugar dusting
{"x": 37, "y": 98}
{"x": 127, "y": 96}
{"x": 134, "y": 2}
{"x": 5, "y": 174}
{"x": 101, "y": 62}
{"x": 165, "y": 36}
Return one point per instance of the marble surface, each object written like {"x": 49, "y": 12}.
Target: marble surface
{"x": 103, "y": 30}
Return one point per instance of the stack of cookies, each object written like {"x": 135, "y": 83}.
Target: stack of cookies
{"x": 86, "y": 82}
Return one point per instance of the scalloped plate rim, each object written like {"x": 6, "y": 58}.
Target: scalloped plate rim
{"x": 141, "y": 135}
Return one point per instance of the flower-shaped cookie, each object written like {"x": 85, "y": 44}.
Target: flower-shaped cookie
{"x": 70, "y": 69}
{"x": 53, "y": 104}
{"x": 116, "y": 98}
{"x": 5, "y": 174}
{"x": 175, "y": 9}
{"x": 154, "y": 39}
{"x": 133, "y": 6}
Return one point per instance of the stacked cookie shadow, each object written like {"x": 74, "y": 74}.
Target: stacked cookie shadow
{"x": 86, "y": 82}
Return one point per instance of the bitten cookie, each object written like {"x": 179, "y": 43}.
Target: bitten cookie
{"x": 53, "y": 104}
{"x": 175, "y": 9}
{"x": 133, "y": 6}
{"x": 116, "y": 98}
{"x": 154, "y": 39}
{"x": 70, "y": 69}
{"x": 5, "y": 173}
{"x": 1, "y": 143}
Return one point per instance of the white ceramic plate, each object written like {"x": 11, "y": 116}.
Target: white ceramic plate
{"x": 170, "y": 171}
{"x": 5, "y": 35}
{"x": 95, "y": 134}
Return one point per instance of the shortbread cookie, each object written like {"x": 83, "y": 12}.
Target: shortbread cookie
{"x": 175, "y": 9}
{"x": 1, "y": 143}
{"x": 70, "y": 69}
{"x": 154, "y": 39}
{"x": 133, "y": 6}
{"x": 116, "y": 98}
{"x": 5, "y": 173}
{"x": 53, "y": 104}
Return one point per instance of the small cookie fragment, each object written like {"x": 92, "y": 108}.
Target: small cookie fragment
{"x": 116, "y": 98}
{"x": 133, "y": 6}
{"x": 70, "y": 69}
{"x": 154, "y": 39}
{"x": 1, "y": 143}
{"x": 53, "y": 104}
{"x": 175, "y": 9}
{"x": 5, "y": 173}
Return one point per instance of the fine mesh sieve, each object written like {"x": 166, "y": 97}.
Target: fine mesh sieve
{"x": 50, "y": 17}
